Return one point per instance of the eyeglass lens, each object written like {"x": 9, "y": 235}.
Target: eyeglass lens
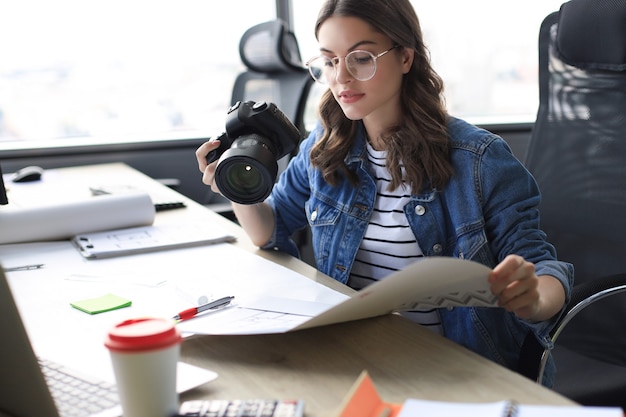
{"x": 360, "y": 64}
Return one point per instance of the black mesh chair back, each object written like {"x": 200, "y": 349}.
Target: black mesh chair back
{"x": 577, "y": 154}
{"x": 275, "y": 72}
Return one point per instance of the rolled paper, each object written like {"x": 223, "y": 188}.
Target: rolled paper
{"x": 60, "y": 221}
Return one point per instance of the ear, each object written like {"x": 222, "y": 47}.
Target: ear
{"x": 407, "y": 54}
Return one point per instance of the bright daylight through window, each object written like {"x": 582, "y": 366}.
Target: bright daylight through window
{"x": 116, "y": 71}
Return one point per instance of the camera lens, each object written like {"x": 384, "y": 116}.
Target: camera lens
{"x": 246, "y": 172}
{"x": 244, "y": 180}
{"x": 243, "y": 176}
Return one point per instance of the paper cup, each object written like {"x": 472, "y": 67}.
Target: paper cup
{"x": 144, "y": 353}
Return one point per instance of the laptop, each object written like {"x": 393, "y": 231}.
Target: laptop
{"x": 24, "y": 391}
{"x": 4, "y": 200}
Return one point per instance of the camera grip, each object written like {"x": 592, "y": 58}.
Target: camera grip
{"x": 215, "y": 154}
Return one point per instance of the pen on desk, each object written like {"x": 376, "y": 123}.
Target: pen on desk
{"x": 194, "y": 311}
{"x": 512, "y": 409}
{"x": 24, "y": 267}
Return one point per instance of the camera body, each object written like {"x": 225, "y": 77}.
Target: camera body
{"x": 257, "y": 135}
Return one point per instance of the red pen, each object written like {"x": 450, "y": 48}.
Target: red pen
{"x": 194, "y": 311}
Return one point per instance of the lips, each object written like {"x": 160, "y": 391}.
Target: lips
{"x": 350, "y": 96}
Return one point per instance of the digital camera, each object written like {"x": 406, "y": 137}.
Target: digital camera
{"x": 257, "y": 135}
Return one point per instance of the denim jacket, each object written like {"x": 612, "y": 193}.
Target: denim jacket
{"x": 487, "y": 211}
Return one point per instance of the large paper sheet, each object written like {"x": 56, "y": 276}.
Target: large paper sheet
{"x": 437, "y": 282}
{"x": 269, "y": 298}
{"x": 159, "y": 284}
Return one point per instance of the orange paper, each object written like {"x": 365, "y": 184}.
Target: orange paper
{"x": 363, "y": 401}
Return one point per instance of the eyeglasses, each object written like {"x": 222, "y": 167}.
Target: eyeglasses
{"x": 360, "y": 64}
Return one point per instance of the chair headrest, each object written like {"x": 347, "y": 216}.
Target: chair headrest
{"x": 270, "y": 47}
{"x": 591, "y": 34}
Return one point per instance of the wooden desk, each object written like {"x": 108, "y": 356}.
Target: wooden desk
{"x": 320, "y": 365}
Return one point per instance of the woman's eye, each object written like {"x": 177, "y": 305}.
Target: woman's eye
{"x": 362, "y": 60}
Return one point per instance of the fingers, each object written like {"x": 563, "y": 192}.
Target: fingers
{"x": 208, "y": 170}
{"x": 523, "y": 302}
{"x": 515, "y": 284}
{"x": 511, "y": 269}
{"x": 202, "y": 152}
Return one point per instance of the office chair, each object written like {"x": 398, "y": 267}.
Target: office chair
{"x": 577, "y": 153}
{"x": 275, "y": 73}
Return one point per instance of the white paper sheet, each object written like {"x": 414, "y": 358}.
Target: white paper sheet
{"x": 269, "y": 298}
{"x": 431, "y": 282}
{"x": 417, "y": 408}
{"x": 435, "y": 282}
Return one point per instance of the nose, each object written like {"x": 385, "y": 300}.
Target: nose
{"x": 342, "y": 74}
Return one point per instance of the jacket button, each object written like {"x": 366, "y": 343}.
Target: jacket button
{"x": 437, "y": 248}
{"x": 420, "y": 210}
{"x": 314, "y": 216}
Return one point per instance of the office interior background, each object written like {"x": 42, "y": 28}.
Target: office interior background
{"x": 145, "y": 82}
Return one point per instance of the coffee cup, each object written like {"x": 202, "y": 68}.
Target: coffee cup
{"x": 144, "y": 354}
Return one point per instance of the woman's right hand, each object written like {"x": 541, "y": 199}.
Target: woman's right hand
{"x": 208, "y": 170}
{"x": 256, "y": 219}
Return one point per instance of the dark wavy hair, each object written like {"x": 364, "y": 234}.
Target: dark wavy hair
{"x": 420, "y": 141}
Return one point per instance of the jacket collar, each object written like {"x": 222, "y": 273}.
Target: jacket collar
{"x": 358, "y": 149}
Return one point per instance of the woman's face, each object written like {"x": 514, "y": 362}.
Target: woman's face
{"x": 377, "y": 100}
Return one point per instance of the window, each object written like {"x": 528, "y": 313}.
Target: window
{"x": 76, "y": 72}
{"x": 98, "y": 71}
{"x": 485, "y": 51}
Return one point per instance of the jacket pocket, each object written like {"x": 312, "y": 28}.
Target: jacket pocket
{"x": 472, "y": 244}
{"x": 319, "y": 213}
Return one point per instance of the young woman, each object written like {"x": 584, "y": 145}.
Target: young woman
{"x": 388, "y": 177}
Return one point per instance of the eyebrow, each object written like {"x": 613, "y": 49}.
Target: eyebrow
{"x": 352, "y": 48}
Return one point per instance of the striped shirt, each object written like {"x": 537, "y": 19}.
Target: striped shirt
{"x": 389, "y": 244}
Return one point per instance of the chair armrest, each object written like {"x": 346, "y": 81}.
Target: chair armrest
{"x": 587, "y": 289}
{"x": 583, "y": 295}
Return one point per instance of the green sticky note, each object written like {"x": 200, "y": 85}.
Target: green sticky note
{"x": 101, "y": 304}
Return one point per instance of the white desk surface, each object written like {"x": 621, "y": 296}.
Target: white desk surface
{"x": 319, "y": 365}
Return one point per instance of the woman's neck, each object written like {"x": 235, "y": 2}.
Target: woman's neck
{"x": 377, "y": 143}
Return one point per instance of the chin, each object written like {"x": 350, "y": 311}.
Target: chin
{"x": 351, "y": 113}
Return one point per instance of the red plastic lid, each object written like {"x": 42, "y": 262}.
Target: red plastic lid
{"x": 142, "y": 334}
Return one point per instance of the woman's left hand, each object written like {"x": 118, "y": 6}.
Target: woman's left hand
{"x": 517, "y": 286}
{"x": 521, "y": 291}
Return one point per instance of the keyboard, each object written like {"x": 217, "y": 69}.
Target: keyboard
{"x": 242, "y": 408}
{"x": 75, "y": 394}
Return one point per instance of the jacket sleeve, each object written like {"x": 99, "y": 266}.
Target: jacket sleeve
{"x": 289, "y": 196}
{"x": 510, "y": 202}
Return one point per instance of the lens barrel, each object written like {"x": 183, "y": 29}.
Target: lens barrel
{"x": 246, "y": 172}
